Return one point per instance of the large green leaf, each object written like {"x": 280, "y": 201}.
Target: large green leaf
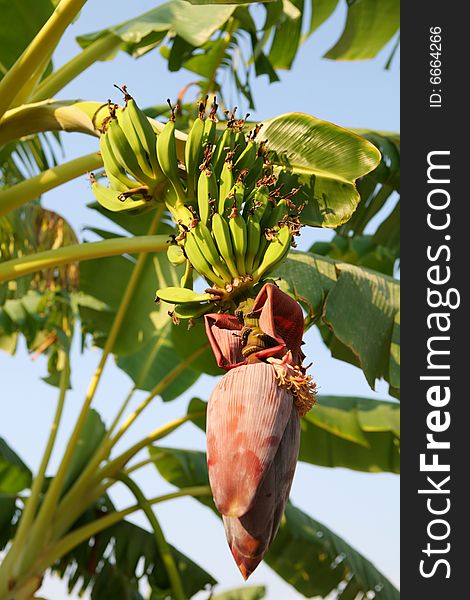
{"x": 120, "y": 557}
{"x": 318, "y": 562}
{"x": 369, "y": 26}
{"x": 305, "y": 553}
{"x": 90, "y": 438}
{"x": 156, "y": 359}
{"x": 354, "y": 433}
{"x": 195, "y": 24}
{"x": 358, "y": 306}
{"x": 7, "y": 514}
{"x": 19, "y": 24}
{"x": 378, "y": 187}
{"x": 245, "y": 593}
{"x": 14, "y": 474}
{"x": 378, "y": 190}
{"x": 324, "y": 160}
{"x": 149, "y": 346}
{"x": 362, "y": 250}
{"x": 103, "y": 283}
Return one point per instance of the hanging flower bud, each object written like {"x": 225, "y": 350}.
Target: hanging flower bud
{"x": 253, "y": 426}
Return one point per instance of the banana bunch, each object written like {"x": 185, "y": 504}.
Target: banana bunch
{"x": 234, "y": 227}
{"x": 237, "y": 227}
{"x": 128, "y": 146}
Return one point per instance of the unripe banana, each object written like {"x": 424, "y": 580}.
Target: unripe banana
{"x": 115, "y": 173}
{"x": 224, "y": 145}
{"x": 237, "y": 194}
{"x": 208, "y": 248}
{"x": 207, "y": 191}
{"x": 260, "y": 207}
{"x": 210, "y": 130}
{"x": 145, "y": 133}
{"x": 277, "y": 213}
{"x": 186, "y": 280}
{"x": 247, "y": 157}
{"x": 135, "y": 142}
{"x": 238, "y": 234}
{"x": 193, "y": 310}
{"x": 255, "y": 171}
{"x": 194, "y": 152}
{"x": 275, "y": 253}
{"x": 124, "y": 153}
{"x": 225, "y": 186}
{"x": 199, "y": 262}
{"x": 221, "y": 232}
{"x": 239, "y": 144}
{"x": 270, "y": 219}
{"x": 110, "y": 199}
{"x": 253, "y": 231}
{"x": 181, "y": 295}
{"x": 166, "y": 153}
{"x": 175, "y": 255}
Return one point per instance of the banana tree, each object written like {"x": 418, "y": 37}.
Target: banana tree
{"x": 216, "y": 202}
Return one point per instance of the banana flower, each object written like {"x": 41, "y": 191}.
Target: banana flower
{"x": 253, "y": 419}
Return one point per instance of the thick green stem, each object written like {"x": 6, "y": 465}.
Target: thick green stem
{"x": 162, "y": 545}
{"x": 142, "y": 463}
{"x": 26, "y": 91}
{"x": 73, "y": 539}
{"x": 42, "y": 45}
{"x": 71, "y": 506}
{"x": 158, "y": 389}
{"x": 32, "y": 188}
{"x": 33, "y": 500}
{"x": 98, "y": 50}
{"x": 120, "y": 461}
{"x": 103, "y": 451}
{"x": 18, "y": 267}
{"x": 42, "y": 524}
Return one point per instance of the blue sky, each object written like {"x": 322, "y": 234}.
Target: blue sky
{"x": 363, "y": 508}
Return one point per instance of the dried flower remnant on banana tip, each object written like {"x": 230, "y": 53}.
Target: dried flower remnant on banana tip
{"x": 253, "y": 418}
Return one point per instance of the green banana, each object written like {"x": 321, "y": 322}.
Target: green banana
{"x": 224, "y": 144}
{"x": 135, "y": 142}
{"x": 210, "y": 130}
{"x": 125, "y": 154}
{"x": 175, "y": 255}
{"x": 239, "y": 143}
{"x": 238, "y": 234}
{"x": 207, "y": 191}
{"x": 166, "y": 152}
{"x": 176, "y": 295}
{"x": 193, "y": 310}
{"x": 275, "y": 253}
{"x": 277, "y": 213}
{"x": 145, "y": 133}
{"x": 199, "y": 261}
{"x": 115, "y": 173}
{"x": 271, "y": 218}
{"x": 186, "y": 280}
{"x": 253, "y": 233}
{"x": 247, "y": 156}
{"x": 208, "y": 248}
{"x": 256, "y": 212}
{"x": 223, "y": 240}
{"x": 111, "y": 199}
{"x": 225, "y": 186}
{"x": 237, "y": 193}
{"x": 255, "y": 171}
{"x": 194, "y": 152}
